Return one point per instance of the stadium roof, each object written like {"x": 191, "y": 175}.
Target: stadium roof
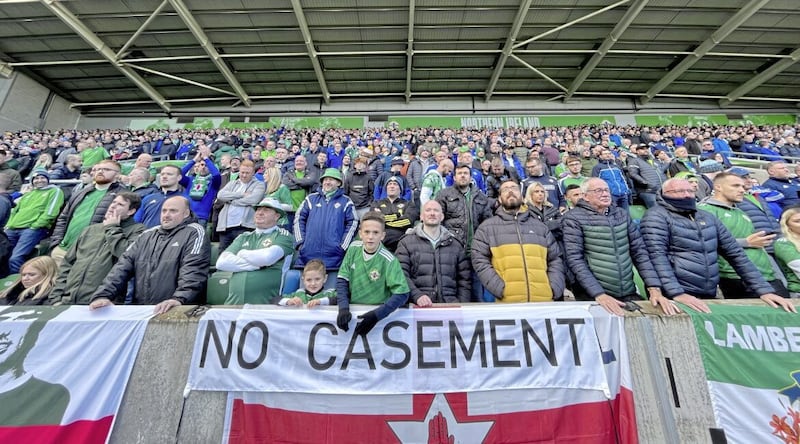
{"x": 163, "y": 55}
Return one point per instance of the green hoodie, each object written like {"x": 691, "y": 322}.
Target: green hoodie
{"x": 37, "y": 208}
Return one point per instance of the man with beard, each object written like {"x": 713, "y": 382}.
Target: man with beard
{"x": 514, "y": 254}
{"x": 87, "y": 206}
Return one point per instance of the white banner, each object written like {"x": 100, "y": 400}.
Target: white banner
{"x": 437, "y": 350}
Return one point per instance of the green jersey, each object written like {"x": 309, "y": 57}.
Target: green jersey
{"x": 740, "y": 226}
{"x": 93, "y": 156}
{"x": 82, "y": 217}
{"x": 372, "y": 280}
{"x": 789, "y": 259}
{"x": 327, "y": 297}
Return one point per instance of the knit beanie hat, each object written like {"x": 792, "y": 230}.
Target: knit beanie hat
{"x": 710, "y": 166}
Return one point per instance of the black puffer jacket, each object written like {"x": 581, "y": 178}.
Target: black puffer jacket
{"x": 65, "y": 217}
{"x": 442, "y": 272}
{"x": 166, "y": 264}
{"x": 683, "y": 248}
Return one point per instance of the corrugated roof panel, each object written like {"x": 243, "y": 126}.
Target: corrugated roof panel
{"x": 339, "y": 62}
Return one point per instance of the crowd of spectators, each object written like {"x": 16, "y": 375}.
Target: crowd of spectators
{"x": 472, "y": 215}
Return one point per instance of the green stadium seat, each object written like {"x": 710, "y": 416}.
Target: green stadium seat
{"x": 8, "y": 281}
{"x": 218, "y": 287}
{"x": 640, "y": 288}
{"x": 214, "y": 254}
{"x": 636, "y": 212}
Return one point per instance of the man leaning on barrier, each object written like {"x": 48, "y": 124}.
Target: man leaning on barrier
{"x": 684, "y": 244}
{"x": 169, "y": 263}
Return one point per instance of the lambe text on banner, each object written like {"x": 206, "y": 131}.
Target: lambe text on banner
{"x": 413, "y": 351}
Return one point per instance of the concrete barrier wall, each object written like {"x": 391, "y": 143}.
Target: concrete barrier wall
{"x": 671, "y": 394}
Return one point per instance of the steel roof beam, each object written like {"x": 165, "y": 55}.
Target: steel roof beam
{"x": 539, "y": 73}
{"x": 718, "y": 36}
{"x": 182, "y": 79}
{"x": 410, "y": 48}
{"x": 573, "y": 22}
{"x": 86, "y": 34}
{"x": 142, "y": 28}
{"x": 522, "y": 12}
{"x": 312, "y": 51}
{"x": 614, "y": 36}
{"x": 212, "y": 52}
{"x": 760, "y": 78}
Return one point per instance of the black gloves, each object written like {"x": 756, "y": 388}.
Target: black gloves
{"x": 366, "y": 322}
{"x": 343, "y": 319}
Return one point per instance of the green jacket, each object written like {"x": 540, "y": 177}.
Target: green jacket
{"x": 740, "y": 226}
{"x": 37, "y": 208}
{"x": 90, "y": 259}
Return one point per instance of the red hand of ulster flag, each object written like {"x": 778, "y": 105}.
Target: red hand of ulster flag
{"x": 492, "y": 417}
{"x": 437, "y": 431}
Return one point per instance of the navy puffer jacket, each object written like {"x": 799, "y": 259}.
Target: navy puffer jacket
{"x": 683, "y": 248}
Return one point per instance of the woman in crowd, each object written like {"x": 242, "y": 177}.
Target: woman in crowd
{"x": 542, "y": 209}
{"x": 787, "y": 249}
{"x": 37, "y": 277}
{"x": 280, "y": 192}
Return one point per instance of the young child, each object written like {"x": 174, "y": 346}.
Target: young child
{"x": 371, "y": 275}
{"x": 312, "y": 295}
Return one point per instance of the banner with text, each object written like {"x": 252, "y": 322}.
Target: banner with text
{"x": 63, "y": 370}
{"x": 751, "y": 360}
{"x": 516, "y": 373}
{"x": 412, "y": 351}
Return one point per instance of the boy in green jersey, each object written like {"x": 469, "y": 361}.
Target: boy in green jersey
{"x": 371, "y": 275}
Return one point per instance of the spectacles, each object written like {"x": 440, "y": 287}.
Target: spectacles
{"x": 508, "y": 189}
{"x": 599, "y": 191}
{"x": 105, "y": 170}
{"x": 684, "y": 191}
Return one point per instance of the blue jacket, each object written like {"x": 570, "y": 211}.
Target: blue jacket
{"x": 202, "y": 207}
{"x": 516, "y": 164}
{"x": 149, "y": 213}
{"x": 760, "y": 214}
{"x": 684, "y": 248}
{"x": 324, "y": 228}
{"x": 335, "y": 160}
{"x": 612, "y": 174}
{"x": 788, "y": 187}
{"x": 790, "y": 151}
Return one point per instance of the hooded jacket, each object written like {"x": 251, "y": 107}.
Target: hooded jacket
{"x": 324, "y": 228}
{"x": 37, "y": 208}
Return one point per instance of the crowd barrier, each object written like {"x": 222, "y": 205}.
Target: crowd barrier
{"x": 671, "y": 393}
